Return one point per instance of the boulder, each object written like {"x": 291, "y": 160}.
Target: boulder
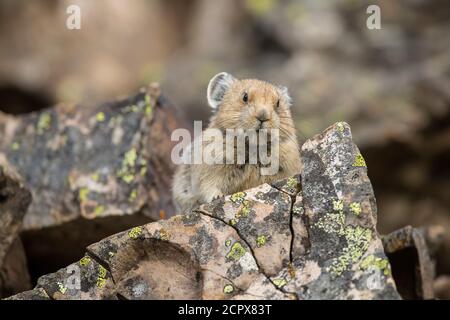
{"x": 93, "y": 171}
{"x": 93, "y": 162}
{"x": 311, "y": 236}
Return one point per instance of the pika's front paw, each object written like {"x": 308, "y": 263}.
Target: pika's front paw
{"x": 217, "y": 197}
{"x": 214, "y": 196}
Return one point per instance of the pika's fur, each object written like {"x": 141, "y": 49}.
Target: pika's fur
{"x": 239, "y": 104}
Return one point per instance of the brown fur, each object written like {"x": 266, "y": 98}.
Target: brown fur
{"x": 201, "y": 183}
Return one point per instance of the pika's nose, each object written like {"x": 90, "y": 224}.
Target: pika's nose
{"x": 263, "y": 116}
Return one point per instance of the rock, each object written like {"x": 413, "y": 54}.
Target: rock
{"x": 308, "y": 237}
{"x": 93, "y": 171}
{"x": 35, "y": 294}
{"x": 84, "y": 280}
{"x": 335, "y": 220}
{"x": 14, "y": 200}
{"x": 410, "y": 257}
{"x": 91, "y": 162}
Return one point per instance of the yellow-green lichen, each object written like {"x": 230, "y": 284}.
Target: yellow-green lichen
{"x": 83, "y": 194}
{"x": 297, "y": 209}
{"x": 261, "y": 241}
{"x": 135, "y": 232}
{"x": 291, "y": 184}
{"x": 110, "y": 254}
{"x": 260, "y": 7}
{"x": 15, "y": 146}
{"x": 163, "y": 235}
{"x": 128, "y": 169}
{"x": 359, "y": 161}
{"x": 237, "y": 251}
{"x": 228, "y": 243}
{"x": 130, "y": 158}
{"x": 148, "y": 106}
{"x": 95, "y": 177}
{"x": 132, "y": 108}
{"x": 85, "y": 261}
{"x": 128, "y": 178}
{"x": 244, "y": 211}
{"x": 101, "y": 278}
{"x": 338, "y": 205}
{"x": 280, "y": 283}
{"x": 233, "y": 222}
{"x": 99, "y": 210}
{"x": 357, "y": 238}
{"x": 143, "y": 164}
{"x": 238, "y": 197}
{"x": 340, "y": 126}
{"x": 61, "y": 287}
{"x": 355, "y": 208}
{"x": 133, "y": 195}
{"x": 44, "y": 122}
{"x": 100, "y": 117}
{"x": 228, "y": 289}
{"x": 332, "y": 223}
{"x": 291, "y": 270}
{"x": 358, "y": 241}
{"x": 373, "y": 262}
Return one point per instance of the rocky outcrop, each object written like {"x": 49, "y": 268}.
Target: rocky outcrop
{"x": 93, "y": 171}
{"x": 311, "y": 236}
{"x": 14, "y": 200}
{"x": 90, "y": 162}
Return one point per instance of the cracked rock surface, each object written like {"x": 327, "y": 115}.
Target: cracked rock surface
{"x": 311, "y": 236}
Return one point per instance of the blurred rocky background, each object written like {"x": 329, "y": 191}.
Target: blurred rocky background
{"x": 391, "y": 85}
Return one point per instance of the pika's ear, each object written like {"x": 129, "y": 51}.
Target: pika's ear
{"x": 284, "y": 93}
{"x": 217, "y": 88}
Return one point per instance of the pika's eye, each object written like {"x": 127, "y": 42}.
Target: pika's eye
{"x": 245, "y": 97}
{"x": 278, "y": 104}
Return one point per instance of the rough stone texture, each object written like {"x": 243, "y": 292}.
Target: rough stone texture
{"x": 409, "y": 252}
{"x": 35, "y": 294}
{"x": 334, "y": 220}
{"x": 84, "y": 280}
{"x": 312, "y": 237}
{"x": 14, "y": 200}
{"x": 90, "y": 162}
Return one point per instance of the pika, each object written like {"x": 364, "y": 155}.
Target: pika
{"x": 247, "y": 104}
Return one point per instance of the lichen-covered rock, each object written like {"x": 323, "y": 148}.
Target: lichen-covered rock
{"x": 83, "y": 280}
{"x": 92, "y": 162}
{"x": 193, "y": 256}
{"x": 335, "y": 218}
{"x": 306, "y": 237}
{"x": 262, "y": 217}
{"x": 35, "y": 294}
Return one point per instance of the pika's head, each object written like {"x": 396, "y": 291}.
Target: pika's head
{"x": 248, "y": 104}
